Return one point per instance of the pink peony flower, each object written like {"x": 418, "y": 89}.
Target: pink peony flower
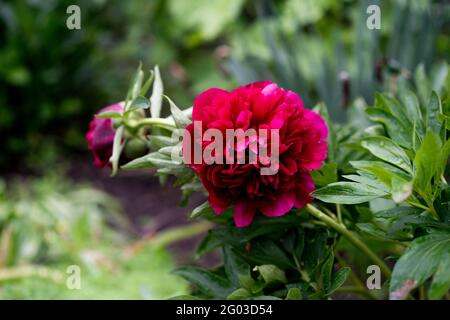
{"x": 100, "y": 137}
{"x": 302, "y": 148}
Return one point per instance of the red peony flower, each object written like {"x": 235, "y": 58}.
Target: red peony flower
{"x": 302, "y": 148}
{"x": 100, "y": 137}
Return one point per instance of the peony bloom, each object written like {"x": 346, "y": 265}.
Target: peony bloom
{"x": 302, "y": 148}
{"x": 100, "y": 136}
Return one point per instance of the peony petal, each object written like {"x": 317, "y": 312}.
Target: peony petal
{"x": 316, "y": 122}
{"x": 205, "y": 99}
{"x": 243, "y": 120}
{"x": 304, "y": 187}
{"x": 243, "y": 214}
{"x": 282, "y": 204}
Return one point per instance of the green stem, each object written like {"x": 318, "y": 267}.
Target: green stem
{"x": 418, "y": 205}
{"x": 350, "y": 237}
{"x": 157, "y": 122}
{"x": 339, "y": 213}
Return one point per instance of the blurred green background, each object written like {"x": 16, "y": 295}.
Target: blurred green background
{"x": 52, "y": 80}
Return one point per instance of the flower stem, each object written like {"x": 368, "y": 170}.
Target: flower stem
{"x": 157, "y": 122}
{"x": 350, "y": 236}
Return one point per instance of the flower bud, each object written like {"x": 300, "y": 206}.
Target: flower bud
{"x": 100, "y": 137}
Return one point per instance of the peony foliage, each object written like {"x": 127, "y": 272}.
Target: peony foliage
{"x": 347, "y": 198}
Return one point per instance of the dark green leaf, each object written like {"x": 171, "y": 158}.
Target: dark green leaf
{"x": 327, "y": 270}
{"x": 235, "y": 266}
{"x": 294, "y": 294}
{"x": 433, "y": 111}
{"x": 208, "y": 243}
{"x": 207, "y": 282}
{"x": 239, "y": 294}
{"x": 400, "y": 132}
{"x": 326, "y": 175}
{"x": 339, "y": 279}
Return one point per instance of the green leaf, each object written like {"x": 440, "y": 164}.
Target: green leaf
{"x": 157, "y": 95}
{"x": 326, "y": 175}
{"x": 264, "y": 298}
{"x": 271, "y": 273}
{"x": 118, "y": 145}
{"x": 147, "y": 84}
{"x": 316, "y": 250}
{"x": 399, "y": 131}
{"x": 420, "y": 261}
{"x": 326, "y": 271}
{"x": 367, "y": 178}
{"x": 151, "y": 160}
{"x": 294, "y": 294}
{"x": 322, "y": 109}
{"x": 202, "y": 210}
{"x": 392, "y": 106}
{"x": 184, "y": 297}
{"x": 181, "y": 120}
{"x": 235, "y": 266}
{"x": 239, "y": 294}
{"x": 139, "y": 102}
{"x": 410, "y": 101}
{"x": 376, "y": 167}
{"x": 389, "y": 151}
{"x": 208, "y": 244}
{"x": 401, "y": 189}
{"x": 422, "y": 84}
{"x": 427, "y": 161}
{"x": 265, "y": 251}
{"x": 207, "y": 282}
{"x": 137, "y": 84}
{"x": 347, "y": 193}
{"x": 159, "y": 141}
{"x": 441, "y": 280}
{"x": 433, "y": 111}
{"x": 339, "y": 279}
{"x": 439, "y": 75}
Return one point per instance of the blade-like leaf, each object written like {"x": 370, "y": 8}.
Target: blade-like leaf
{"x": 209, "y": 283}
{"x": 389, "y": 151}
{"x": 348, "y": 193}
{"x": 157, "y": 95}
